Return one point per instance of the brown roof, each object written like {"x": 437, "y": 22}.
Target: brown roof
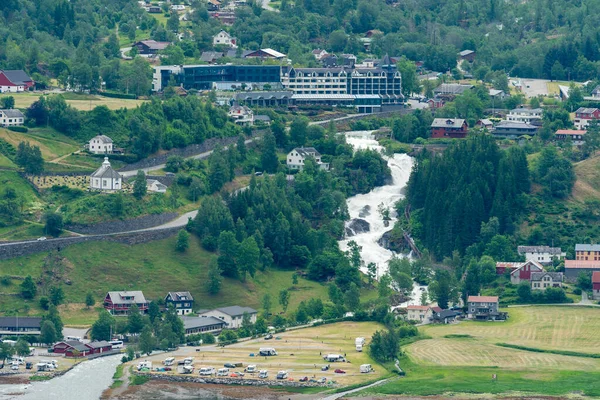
{"x": 482, "y": 299}
{"x": 596, "y": 277}
{"x": 582, "y": 264}
{"x": 570, "y": 132}
{"x": 423, "y": 308}
{"x": 511, "y": 265}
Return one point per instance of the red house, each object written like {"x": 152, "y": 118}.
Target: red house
{"x": 596, "y": 285}
{"x": 99, "y": 347}
{"x": 72, "y": 348}
{"x": 14, "y": 81}
{"x": 449, "y": 128}
{"x": 584, "y": 115}
{"x": 435, "y": 103}
{"x": 119, "y": 303}
{"x": 519, "y": 271}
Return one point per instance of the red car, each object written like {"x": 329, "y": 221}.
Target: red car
{"x": 305, "y": 379}
{"x": 340, "y": 371}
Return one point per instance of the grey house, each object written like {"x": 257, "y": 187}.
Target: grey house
{"x": 484, "y": 308}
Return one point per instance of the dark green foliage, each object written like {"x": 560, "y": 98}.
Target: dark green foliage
{"x": 214, "y": 280}
{"x": 28, "y": 288}
{"x": 550, "y": 351}
{"x": 183, "y": 241}
{"x": 29, "y": 158}
{"x": 470, "y": 183}
{"x": 48, "y": 333}
{"x": 54, "y": 317}
{"x": 101, "y": 329}
{"x": 21, "y": 129}
{"x": 268, "y": 158}
{"x": 140, "y": 187}
{"x": 53, "y": 223}
{"x": 384, "y": 346}
{"x": 89, "y": 300}
{"x": 555, "y": 173}
{"x": 57, "y": 295}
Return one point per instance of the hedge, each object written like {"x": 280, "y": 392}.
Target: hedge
{"x": 559, "y": 352}
{"x": 118, "y": 95}
{"x": 21, "y": 129}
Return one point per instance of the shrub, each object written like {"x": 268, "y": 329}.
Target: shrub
{"x": 21, "y": 129}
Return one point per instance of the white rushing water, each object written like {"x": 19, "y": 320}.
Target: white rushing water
{"x": 400, "y": 166}
{"x": 86, "y": 381}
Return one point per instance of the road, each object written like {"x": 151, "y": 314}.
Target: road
{"x": 124, "y": 51}
{"x": 342, "y": 394}
{"x": 180, "y": 221}
{"x": 266, "y": 6}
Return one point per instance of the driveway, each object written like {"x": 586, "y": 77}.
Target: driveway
{"x": 535, "y": 87}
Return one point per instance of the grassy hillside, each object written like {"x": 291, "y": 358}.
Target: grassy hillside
{"x": 155, "y": 268}
{"x": 52, "y": 144}
{"x": 83, "y": 102}
{"x": 461, "y": 358}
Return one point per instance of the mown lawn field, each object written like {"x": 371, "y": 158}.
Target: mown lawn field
{"x": 51, "y": 143}
{"x": 464, "y": 357}
{"x": 155, "y": 268}
{"x": 82, "y": 102}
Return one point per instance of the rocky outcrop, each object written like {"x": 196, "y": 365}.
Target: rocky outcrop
{"x": 356, "y": 226}
{"x": 364, "y": 212}
{"x": 396, "y": 243}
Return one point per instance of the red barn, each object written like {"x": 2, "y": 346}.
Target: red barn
{"x": 14, "y": 81}
{"x": 519, "y": 271}
{"x": 596, "y": 285}
{"x": 449, "y": 128}
{"x": 99, "y": 347}
{"x": 70, "y": 348}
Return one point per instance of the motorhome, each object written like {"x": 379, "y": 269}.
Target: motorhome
{"x": 169, "y": 361}
{"x": 188, "y": 369}
{"x": 207, "y": 371}
{"x": 116, "y": 344}
{"x": 282, "y": 375}
{"x": 43, "y": 367}
{"x": 360, "y": 342}
{"x": 334, "y": 358}
{"x": 18, "y": 360}
{"x": 263, "y": 374}
{"x": 223, "y": 372}
{"x": 366, "y": 368}
{"x": 267, "y": 351}
{"x": 188, "y": 360}
{"x": 144, "y": 364}
{"x": 251, "y": 369}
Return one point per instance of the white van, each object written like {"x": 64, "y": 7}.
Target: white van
{"x": 334, "y": 358}
{"x": 169, "y": 361}
{"x": 366, "y": 368}
{"x": 223, "y": 372}
{"x": 282, "y": 375}
{"x": 207, "y": 371}
{"x": 188, "y": 360}
{"x": 18, "y": 360}
{"x": 263, "y": 374}
{"x": 188, "y": 369}
{"x": 267, "y": 351}
{"x": 251, "y": 369}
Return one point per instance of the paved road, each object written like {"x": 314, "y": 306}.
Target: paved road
{"x": 342, "y": 394}
{"x": 124, "y": 50}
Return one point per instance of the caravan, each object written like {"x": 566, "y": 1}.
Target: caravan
{"x": 223, "y": 372}
{"x": 366, "y": 368}
{"x": 334, "y": 358}
{"x": 169, "y": 361}
{"x": 267, "y": 351}
{"x": 144, "y": 365}
{"x": 188, "y": 369}
{"x": 360, "y": 342}
{"x": 207, "y": 371}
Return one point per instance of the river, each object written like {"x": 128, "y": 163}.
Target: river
{"x": 365, "y": 206}
{"x": 86, "y": 381}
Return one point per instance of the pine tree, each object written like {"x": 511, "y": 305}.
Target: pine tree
{"x": 213, "y": 281}
{"x": 269, "y": 160}
{"x": 140, "y": 187}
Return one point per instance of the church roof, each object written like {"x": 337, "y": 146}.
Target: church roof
{"x": 106, "y": 171}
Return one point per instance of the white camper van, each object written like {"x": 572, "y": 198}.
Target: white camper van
{"x": 169, "y": 361}
{"x": 267, "y": 351}
{"x": 263, "y": 374}
{"x": 207, "y": 371}
{"x": 366, "y": 368}
{"x": 334, "y": 358}
{"x": 360, "y": 342}
{"x": 223, "y": 372}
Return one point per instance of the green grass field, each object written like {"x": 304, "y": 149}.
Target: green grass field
{"x": 155, "y": 268}
{"x": 51, "y": 143}
{"x": 82, "y": 102}
{"x": 461, "y": 358}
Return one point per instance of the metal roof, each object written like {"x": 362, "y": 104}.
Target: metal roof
{"x": 103, "y": 138}
{"x": 106, "y": 171}
{"x": 482, "y": 299}
{"x": 556, "y": 276}
{"x": 587, "y": 247}
{"x": 24, "y": 322}
{"x": 199, "y": 322}
{"x": 539, "y": 249}
{"x": 16, "y": 76}
{"x": 117, "y": 297}
{"x": 447, "y": 123}
{"x": 13, "y": 113}
{"x": 235, "y": 311}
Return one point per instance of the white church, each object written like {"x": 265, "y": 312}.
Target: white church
{"x": 105, "y": 178}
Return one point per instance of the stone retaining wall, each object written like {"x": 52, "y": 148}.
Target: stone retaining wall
{"x": 227, "y": 381}
{"x": 102, "y": 228}
{"x": 19, "y": 249}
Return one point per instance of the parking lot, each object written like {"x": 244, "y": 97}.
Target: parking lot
{"x": 300, "y": 353}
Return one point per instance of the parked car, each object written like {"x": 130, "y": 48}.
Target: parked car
{"x": 322, "y": 380}
{"x": 269, "y": 337}
{"x": 304, "y": 379}
{"x": 14, "y": 367}
{"x": 41, "y": 238}
{"x": 236, "y": 374}
{"x": 340, "y": 371}
{"x": 282, "y": 375}
{"x": 229, "y": 365}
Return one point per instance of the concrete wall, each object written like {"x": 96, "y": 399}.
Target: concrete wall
{"x": 19, "y": 249}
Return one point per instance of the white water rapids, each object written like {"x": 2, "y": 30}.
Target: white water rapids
{"x": 371, "y": 252}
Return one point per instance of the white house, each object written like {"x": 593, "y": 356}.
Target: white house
{"x": 297, "y": 157}
{"x": 100, "y": 144}
{"x": 224, "y": 38}
{"x": 319, "y": 54}
{"x": 419, "y": 313}
{"x": 178, "y": 7}
{"x": 11, "y": 118}
{"x": 183, "y": 302}
{"x": 242, "y": 115}
{"x": 105, "y": 178}
{"x": 545, "y": 280}
{"x": 541, "y": 254}
{"x": 232, "y": 315}
{"x": 526, "y": 115}
{"x": 155, "y": 186}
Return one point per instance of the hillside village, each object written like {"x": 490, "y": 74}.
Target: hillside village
{"x": 304, "y": 198}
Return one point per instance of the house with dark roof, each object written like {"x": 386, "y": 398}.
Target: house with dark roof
{"x": 14, "y": 81}
{"x": 467, "y": 55}
{"x": 449, "y": 128}
{"x": 119, "y": 303}
{"x": 584, "y": 115}
{"x": 182, "y": 302}
{"x": 194, "y": 325}
{"x": 596, "y": 285}
{"x": 71, "y": 346}
{"x": 11, "y": 326}
{"x": 484, "y": 308}
{"x": 149, "y": 47}
{"x": 265, "y": 99}
{"x": 444, "y": 316}
{"x": 266, "y": 54}
{"x": 297, "y": 158}
{"x": 100, "y": 144}
{"x": 544, "y": 280}
{"x": 11, "y": 117}
{"x": 232, "y": 315}
{"x": 514, "y": 129}
{"x": 106, "y": 178}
